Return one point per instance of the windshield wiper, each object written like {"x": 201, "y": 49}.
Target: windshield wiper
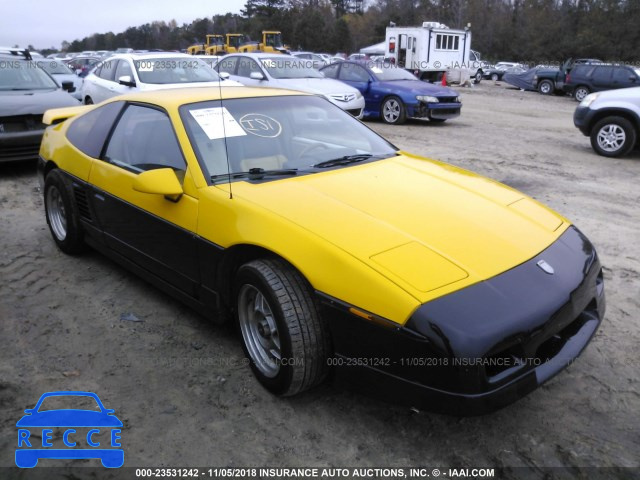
{"x": 257, "y": 173}
{"x": 343, "y": 160}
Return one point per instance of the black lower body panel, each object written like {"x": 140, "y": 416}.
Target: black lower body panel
{"x": 482, "y": 347}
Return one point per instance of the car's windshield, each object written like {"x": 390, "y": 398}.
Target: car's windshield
{"x": 165, "y": 70}
{"x": 23, "y": 75}
{"x": 285, "y": 66}
{"x": 56, "y": 68}
{"x": 66, "y": 402}
{"x": 284, "y": 133}
{"x": 385, "y": 72}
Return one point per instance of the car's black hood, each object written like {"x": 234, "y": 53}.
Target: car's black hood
{"x": 33, "y": 102}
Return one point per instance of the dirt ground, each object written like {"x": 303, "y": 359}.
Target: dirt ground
{"x": 187, "y": 399}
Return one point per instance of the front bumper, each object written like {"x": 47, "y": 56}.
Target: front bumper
{"x": 437, "y": 111}
{"x": 19, "y": 146}
{"x": 582, "y": 118}
{"x": 482, "y": 347}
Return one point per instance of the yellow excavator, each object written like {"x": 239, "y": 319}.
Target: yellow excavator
{"x": 213, "y": 42}
{"x": 233, "y": 43}
{"x": 271, "y": 43}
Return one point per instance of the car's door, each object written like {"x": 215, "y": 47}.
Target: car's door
{"x": 123, "y": 69}
{"x": 624, "y": 77}
{"x": 154, "y": 232}
{"x": 228, "y": 65}
{"x": 356, "y": 76}
{"x": 601, "y": 79}
{"x": 102, "y": 82}
{"x": 247, "y": 66}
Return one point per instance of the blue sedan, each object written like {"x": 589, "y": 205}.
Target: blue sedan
{"x": 393, "y": 94}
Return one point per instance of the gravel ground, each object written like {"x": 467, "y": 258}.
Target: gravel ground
{"x": 186, "y": 397}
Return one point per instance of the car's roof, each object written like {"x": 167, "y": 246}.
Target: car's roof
{"x": 174, "y": 98}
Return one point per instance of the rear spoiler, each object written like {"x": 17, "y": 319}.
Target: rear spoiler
{"x": 57, "y": 115}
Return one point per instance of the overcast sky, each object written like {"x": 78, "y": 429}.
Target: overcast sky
{"x": 46, "y": 23}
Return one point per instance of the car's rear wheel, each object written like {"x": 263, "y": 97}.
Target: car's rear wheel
{"x": 62, "y": 214}
{"x": 613, "y": 137}
{"x": 282, "y": 331}
{"x": 393, "y": 111}
{"x": 495, "y": 77}
{"x": 545, "y": 87}
{"x": 580, "y": 92}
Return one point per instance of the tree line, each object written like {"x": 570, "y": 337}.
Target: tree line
{"x": 534, "y": 31}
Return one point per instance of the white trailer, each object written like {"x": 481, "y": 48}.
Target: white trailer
{"x": 432, "y": 49}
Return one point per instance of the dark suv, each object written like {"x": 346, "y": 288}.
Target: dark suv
{"x": 584, "y": 79}
{"x": 26, "y": 92}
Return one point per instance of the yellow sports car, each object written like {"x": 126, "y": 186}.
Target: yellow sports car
{"x": 333, "y": 250}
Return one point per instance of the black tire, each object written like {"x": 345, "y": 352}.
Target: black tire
{"x": 88, "y": 100}
{"x": 62, "y": 214}
{"x": 393, "y": 111}
{"x": 477, "y": 78}
{"x": 495, "y": 77}
{"x": 300, "y": 336}
{"x": 613, "y": 137}
{"x": 546, "y": 87}
{"x": 580, "y": 92}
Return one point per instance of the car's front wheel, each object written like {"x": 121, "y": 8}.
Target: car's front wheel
{"x": 393, "y": 111}
{"x": 580, "y": 92}
{"x": 62, "y": 214}
{"x": 613, "y": 136}
{"x": 545, "y": 87}
{"x": 478, "y": 77}
{"x": 282, "y": 331}
{"x": 495, "y": 77}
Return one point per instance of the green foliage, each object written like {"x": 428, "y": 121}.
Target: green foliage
{"x": 532, "y": 31}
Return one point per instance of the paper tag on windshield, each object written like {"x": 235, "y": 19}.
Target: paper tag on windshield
{"x": 217, "y": 122}
{"x": 376, "y": 70}
{"x": 144, "y": 66}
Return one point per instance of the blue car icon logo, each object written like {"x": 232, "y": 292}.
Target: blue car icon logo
{"x": 84, "y": 433}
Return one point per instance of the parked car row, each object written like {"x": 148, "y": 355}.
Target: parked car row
{"x": 26, "y": 93}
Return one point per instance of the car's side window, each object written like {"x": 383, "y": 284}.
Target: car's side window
{"x": 227, "y": 65}
{"x": 602, "y": 74}
{"x": 331, "y": 71}
{"x": 89, "y": 132}
{"x": 144, "y": 139}
{"x": 353, "y": 73}
{"x": 108, "y": 70}
{"x": 123, "y": 69}
{"x": 247, "y": 66}
{"x": 623, "y": 75}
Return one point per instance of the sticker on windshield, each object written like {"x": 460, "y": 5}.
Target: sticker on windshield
{"x": 376, "y": 70}
{"x": 217, "y": 122}
{"x": 261, "y": 125}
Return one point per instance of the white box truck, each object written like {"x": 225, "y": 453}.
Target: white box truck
{"x": 433, "y": 49}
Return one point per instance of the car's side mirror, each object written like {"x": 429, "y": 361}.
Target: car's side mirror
{"x": 256, "y": 76}
{"x": 161, "y": 181}
{"x": 68, "y": 87}
{"x": 224, "y": 75}
{"x": 127, "y": 81}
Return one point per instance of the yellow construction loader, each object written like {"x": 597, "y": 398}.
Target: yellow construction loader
{"x": 271, "y": 43}
{"x": 213, "y": 42}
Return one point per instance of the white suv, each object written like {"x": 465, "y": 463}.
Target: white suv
{"x": 611, "y": 119}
